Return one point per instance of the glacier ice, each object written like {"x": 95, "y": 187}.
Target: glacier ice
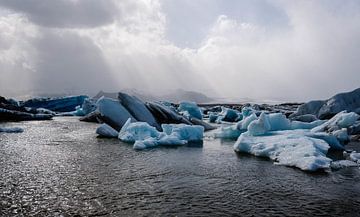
{"x": 229, "y": 115}
{"x": 131, "y": 132}
{"x": 105, "y": 130}
{"x": 145, "y": 136}
{"x": 190, "y": 110}
{"x": 11, "y": 130}
{"x": 227, "y": 132}
{"x": 244, "y": 123}
{"x": 287, "y": 148}
{"x": 325, "y": 109}
{"x": 138, "y": 109}
{"x": 342, "y": 164}
{"x": 163, "y": 114}
{"x": 354, "y": 156}
{"x": 259, "y": 126}
{"x": 113, "y": 113}
{"x": 61, "y": 104}
{"x": 341, "y": 120}
{"x": 184, "y": 132}
{"x": 305, "y": 125}
{"x": 278, "y": 121}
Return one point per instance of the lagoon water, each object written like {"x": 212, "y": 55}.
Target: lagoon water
{"x": 60, "y": 168}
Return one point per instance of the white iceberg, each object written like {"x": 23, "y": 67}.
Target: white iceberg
{"x": 107, "y": 131}
{"x": 287, "y": 148}
{"x": 260, "y": 126}
{"x": 227, "y": 132}
{"x": 243, "y": 124}
{"x": 354, "y": 156}
{"x": 145, "y": 136}
{"x": 339, "y": 164}
{"x": 132, "y": 132}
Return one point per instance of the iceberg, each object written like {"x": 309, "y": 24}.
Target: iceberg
{"x": 12, "y": 115}
{"x": 206, "y": 126}
{"x": 213, "y": 116}
{"x": 61, "y": 104}
{"x": 145, "y": 136}
{"x": 339, "y": 164}
{"x": 229, "y": 115}
{"x": 138, "y": 109}
{"x": 113, "y": 113}
{"x": 287, "y": 148}
{"x": 354, "y": 156}
{"x": 11, "y": 130}
{"x": 184, "y": 132}
{"x": 165, "y": 115}
{"x": 278, "y": 121}
{"x": 105, "y": 130}
{"x": 190, "y": 110}
{"x": 325, "y": 109}
{"x": 228, "y": 132}
{"x": 304, "y": 125}
{"x": 339, "y": 121}
{"x": 259, "y": 126}
{"x": 243, "y": 124}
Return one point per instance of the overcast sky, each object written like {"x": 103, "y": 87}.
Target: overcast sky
{"x": 261, "y": 49}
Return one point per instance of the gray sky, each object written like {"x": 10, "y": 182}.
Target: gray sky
{"x": 260, "y": 49}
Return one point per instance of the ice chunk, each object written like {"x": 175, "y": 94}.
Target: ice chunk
{"x": 184, "y": 132}
{"x": 11, "y": 130}
{"x": 145, "y": 136}
{"x": 229, "y": 115}
{"x": 340, "y": 120}
{"x": 138, "y": 109}
{"x": 107, "y": 131}
{"x": 132, "y": 132}
{"x": 206, "y": 126}
{"x": 113, "y": 113}
{"x": 287, "y": 148}
{"x": 190, "y": 109}
{"x": 325, "y": 109}
{"x": 355, "y": 157}
{"x": 228, "y": 132}
{"x": 260, "y": 126}
{"x": 342, "y": 164}
{"x": 303, "y": 125}
{"x": 165, "y": 115}
{"x": 247, "y": 111}
{"x": 341, "y": 135}
{"x": 278, "y": 121}
{"x": 243, "y": 124}
{"x": 12, "y": 115}
{"x": 305, "y": 118}
{"x": 213, "y": 116}
{"x": 61, "y": 104}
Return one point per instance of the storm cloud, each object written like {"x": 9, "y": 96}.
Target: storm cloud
{"x": 278, "y": 50}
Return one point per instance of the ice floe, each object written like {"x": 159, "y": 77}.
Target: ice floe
{"x": 11, "y": 130}
{"x": 105, "y": 130}
{"x": 145, "y": 136}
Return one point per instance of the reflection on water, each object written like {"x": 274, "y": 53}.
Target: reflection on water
{"x": 60, "y": 168}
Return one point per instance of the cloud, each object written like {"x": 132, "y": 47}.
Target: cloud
{"x": 65, "y": 13}
{"x": 277, "y": 50}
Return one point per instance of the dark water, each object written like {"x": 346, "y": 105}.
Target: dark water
{"x": 60, "y": 168}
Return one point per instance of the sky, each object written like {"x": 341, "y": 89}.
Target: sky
{"x": 286, "y": 50}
